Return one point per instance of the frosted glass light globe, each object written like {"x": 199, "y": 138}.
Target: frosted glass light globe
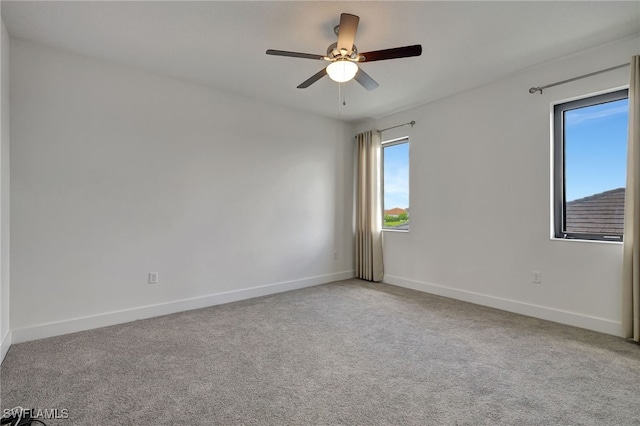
{"x": 342, "y": 70}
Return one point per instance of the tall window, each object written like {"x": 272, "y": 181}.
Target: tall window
{"x": 590, "y": 155}
{"x": 395, "y": 187}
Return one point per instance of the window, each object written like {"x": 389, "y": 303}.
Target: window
{"x": 395, "y": 186}
{"x": 590, "y": 156}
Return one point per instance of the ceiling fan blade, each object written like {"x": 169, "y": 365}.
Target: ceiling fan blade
{"x": 294, "y": 54}
{"x": 347, "y": 31}
{"x": 395, "y": 53}
{"x": 317, "y": 76}
{"x": 365, "y": 80}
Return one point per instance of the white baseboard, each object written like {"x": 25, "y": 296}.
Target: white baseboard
{"x": 556, "y": 315}
{"x": 41, "y": 331}
{"x": 5, "y": 343}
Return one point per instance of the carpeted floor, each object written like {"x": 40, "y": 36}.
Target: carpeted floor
{"x": 348, "y": 353}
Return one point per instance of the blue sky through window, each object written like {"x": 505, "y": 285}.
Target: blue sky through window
{"x": 396, "y": 176}
{"x": 595, "y": 148}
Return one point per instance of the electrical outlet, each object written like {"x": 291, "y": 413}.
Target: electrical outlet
{"x": 537, "y": 277}
{"x": 153, "y": 278}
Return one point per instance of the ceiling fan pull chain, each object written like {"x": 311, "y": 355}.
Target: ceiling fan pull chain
{"x": 339, "y": 98}
{"x": 344, "y": 98}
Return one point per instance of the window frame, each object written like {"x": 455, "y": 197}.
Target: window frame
{"x": 383, "y": 145}
{"x": 559, "y": 181}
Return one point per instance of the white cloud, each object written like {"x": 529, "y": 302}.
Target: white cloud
{"x": 576, "y": 117}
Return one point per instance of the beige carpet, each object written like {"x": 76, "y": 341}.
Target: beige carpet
{"x": 347, "y": 353}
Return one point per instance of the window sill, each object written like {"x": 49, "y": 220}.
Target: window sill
{"x": 577, "y": 240}
{"x": 405, "y": 231}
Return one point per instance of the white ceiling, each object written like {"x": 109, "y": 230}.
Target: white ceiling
{"x": 223, "y": 44}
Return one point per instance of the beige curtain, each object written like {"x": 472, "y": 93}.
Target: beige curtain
{"x": 368, "y": 208}
{"x": 631, "y": 248}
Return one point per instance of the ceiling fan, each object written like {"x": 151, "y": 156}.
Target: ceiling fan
{"x": 344, "y": 56}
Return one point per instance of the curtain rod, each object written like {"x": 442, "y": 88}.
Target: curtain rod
{"x": 539, "y": 89}
{"x": 411, "y": 123}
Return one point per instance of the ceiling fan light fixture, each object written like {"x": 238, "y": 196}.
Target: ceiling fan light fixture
{"x": 344, "y": 56}
{"x": 342, "y": 70}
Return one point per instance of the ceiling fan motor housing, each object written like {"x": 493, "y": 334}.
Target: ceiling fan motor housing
{"x": 333, "y": 53}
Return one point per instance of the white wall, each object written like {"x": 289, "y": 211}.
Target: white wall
{"x": 480, "y": 200}
{"x": 5, "y": 328}
{"x": 115, "y": 173}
